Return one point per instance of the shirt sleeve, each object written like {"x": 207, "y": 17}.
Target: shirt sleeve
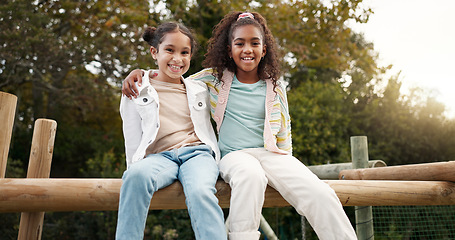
{"x": 131, "y": 126}
{"x": 284, "y": 138}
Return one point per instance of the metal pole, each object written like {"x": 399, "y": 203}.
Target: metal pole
{"x": 363, "y": 214}
{"x": 303, "y": 220}
{"x": 268, "y": 231}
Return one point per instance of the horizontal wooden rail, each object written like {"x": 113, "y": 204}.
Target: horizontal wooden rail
{"x": 56, "y": 195}
{"x": 437, "y": 171}
{"x": 331, "y": 171}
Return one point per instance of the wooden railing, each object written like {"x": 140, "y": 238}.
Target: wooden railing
{"x": 38, "y": 193}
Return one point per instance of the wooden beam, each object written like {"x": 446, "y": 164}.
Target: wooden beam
{"x": 394, "y": 193}
{"x": 57, "y": 195}
{"x": 438, "y": 171}
{"x": 8, "y": 104}
{"x": 332, "y": 171}
{"x": 39, "y": 166}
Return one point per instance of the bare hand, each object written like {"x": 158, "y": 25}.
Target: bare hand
{"x": 129, "y": 88}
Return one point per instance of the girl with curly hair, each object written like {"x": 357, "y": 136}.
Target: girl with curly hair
{"x": 250, "y": 109}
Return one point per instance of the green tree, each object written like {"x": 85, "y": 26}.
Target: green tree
{"x": 63, "y": 60}
{"x": 319, "y": 123}
{"x": 404, "y": 129}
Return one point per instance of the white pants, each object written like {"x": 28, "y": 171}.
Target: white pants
{"x": 249, "y": 171}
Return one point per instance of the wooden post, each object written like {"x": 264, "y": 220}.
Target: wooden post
{"x": 363, "y": 214}
{"x": 8, "y": 104}
{"x": 39, "y": 166}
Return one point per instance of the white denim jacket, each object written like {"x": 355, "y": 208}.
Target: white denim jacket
{"x": 141, "y": 118}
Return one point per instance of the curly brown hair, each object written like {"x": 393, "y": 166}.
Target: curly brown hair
{"x": 217, "y": 56}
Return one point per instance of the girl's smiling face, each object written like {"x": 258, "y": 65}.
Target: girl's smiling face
{"x": 246, "y": 49}
{"x": 173, "y": 57}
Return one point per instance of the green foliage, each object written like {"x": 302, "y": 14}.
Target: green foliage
{"x": 9, "y": 226}
{"x": 80, "y": 225}
{"x": 404, "y": 129}
{"x": 46, "y": 48}
{"x": 314, "y": 33}
{"x": 15, "y": 169}
{"x": 319, "y": 123}
{"x": 105, "y": 165}
{"x": 169, "y": 224}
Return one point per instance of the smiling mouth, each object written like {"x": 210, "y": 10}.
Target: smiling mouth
{"x": 175, "y": 67}
{"x": 248, "y": 58}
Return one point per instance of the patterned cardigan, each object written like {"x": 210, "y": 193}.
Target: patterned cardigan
{"x": 277, "y": 124}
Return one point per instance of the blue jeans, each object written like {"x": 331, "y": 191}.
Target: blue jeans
{"x": 195, "y": 168}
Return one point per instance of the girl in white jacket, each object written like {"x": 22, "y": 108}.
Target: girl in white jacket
{"x": 168, "y": 137}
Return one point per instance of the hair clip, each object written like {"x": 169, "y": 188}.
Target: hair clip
{"x": 245, "y": 15}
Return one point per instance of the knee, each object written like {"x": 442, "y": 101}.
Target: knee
{"x": 200, "y": 192}
{"x": 323, "y": 192}
{"x": 250, "y": 178}
{"x": 134, "y": 174}
{"x": 137, "y": 177}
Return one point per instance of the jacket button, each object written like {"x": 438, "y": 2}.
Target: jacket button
{"x": 199, "y": 104}
{"x": 145, "y": 99}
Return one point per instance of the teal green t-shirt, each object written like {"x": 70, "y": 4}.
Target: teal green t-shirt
{"x": 243, "y": 122}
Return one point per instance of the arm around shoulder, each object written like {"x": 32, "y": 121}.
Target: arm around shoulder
{"x": 129, "y": 88}
{"x": 205, "y": 75}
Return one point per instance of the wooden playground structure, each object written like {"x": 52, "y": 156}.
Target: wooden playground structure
{"x": 357, "y": 184}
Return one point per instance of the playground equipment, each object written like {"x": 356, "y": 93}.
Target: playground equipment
{"x": 37, "y": 193}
